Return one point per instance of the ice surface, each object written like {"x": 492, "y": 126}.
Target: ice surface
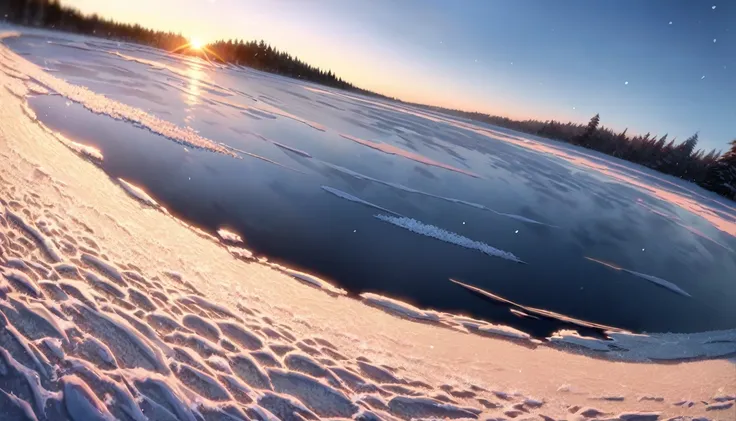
{"x": 414, "y": 191}
{"x": 450, "y": 237}
{"x": 256, "y": 156}
{"x": 350, "y": 197}
{"x": 393, "y": 150}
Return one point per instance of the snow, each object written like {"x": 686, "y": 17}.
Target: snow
{"x": 229, "y": 236}
{"x": 84, "y": 150}
{"x": 398, "y": 307}
{"x": 450, "y": 237}
{"x": 138, "y": 193}
{"x": 309, "y": 279}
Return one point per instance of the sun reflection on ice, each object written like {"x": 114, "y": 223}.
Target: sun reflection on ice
{"x": 195, "y": 75}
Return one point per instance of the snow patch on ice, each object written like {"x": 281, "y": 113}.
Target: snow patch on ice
{"x": 653, "y": 279}
{"x": 350, "y": 197}
{"x": 292, "y": 149}
{"x": 450, "y": 237}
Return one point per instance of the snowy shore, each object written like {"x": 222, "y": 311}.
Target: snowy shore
{"x": 113, "y": 309}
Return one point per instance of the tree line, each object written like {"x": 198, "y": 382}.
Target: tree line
{"x": 711, "y": 170}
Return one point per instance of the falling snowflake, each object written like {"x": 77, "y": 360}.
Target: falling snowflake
{"x": 670, "y": 22}
{"x": 626, "y": 83}
{"x": 714, "y": 40}
{"x": 516, "y": 232}
{"x": 714, "y": 7}
{"x": 702, "y": 77}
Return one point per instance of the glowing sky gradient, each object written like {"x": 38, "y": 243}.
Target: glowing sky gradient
{"x": 565, "y": 59}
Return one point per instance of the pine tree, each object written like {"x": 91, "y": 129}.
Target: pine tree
{"x": 721, "y": 177}
{"x": 686, "y": 148}
{"x": 586, "y": 138}
{"x": 593, "y": 124}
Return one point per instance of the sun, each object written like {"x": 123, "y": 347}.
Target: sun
{"x": 196, "y": 43}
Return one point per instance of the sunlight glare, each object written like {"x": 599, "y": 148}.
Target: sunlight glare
{"x": 196, "y": 43}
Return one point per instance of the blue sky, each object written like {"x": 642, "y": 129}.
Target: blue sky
{"x": 565, "y": 59}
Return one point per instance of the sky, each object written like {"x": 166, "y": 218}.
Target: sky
{"x": 659, "y": 66}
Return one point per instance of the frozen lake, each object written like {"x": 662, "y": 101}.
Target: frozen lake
{"x": 600, "y": 239}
